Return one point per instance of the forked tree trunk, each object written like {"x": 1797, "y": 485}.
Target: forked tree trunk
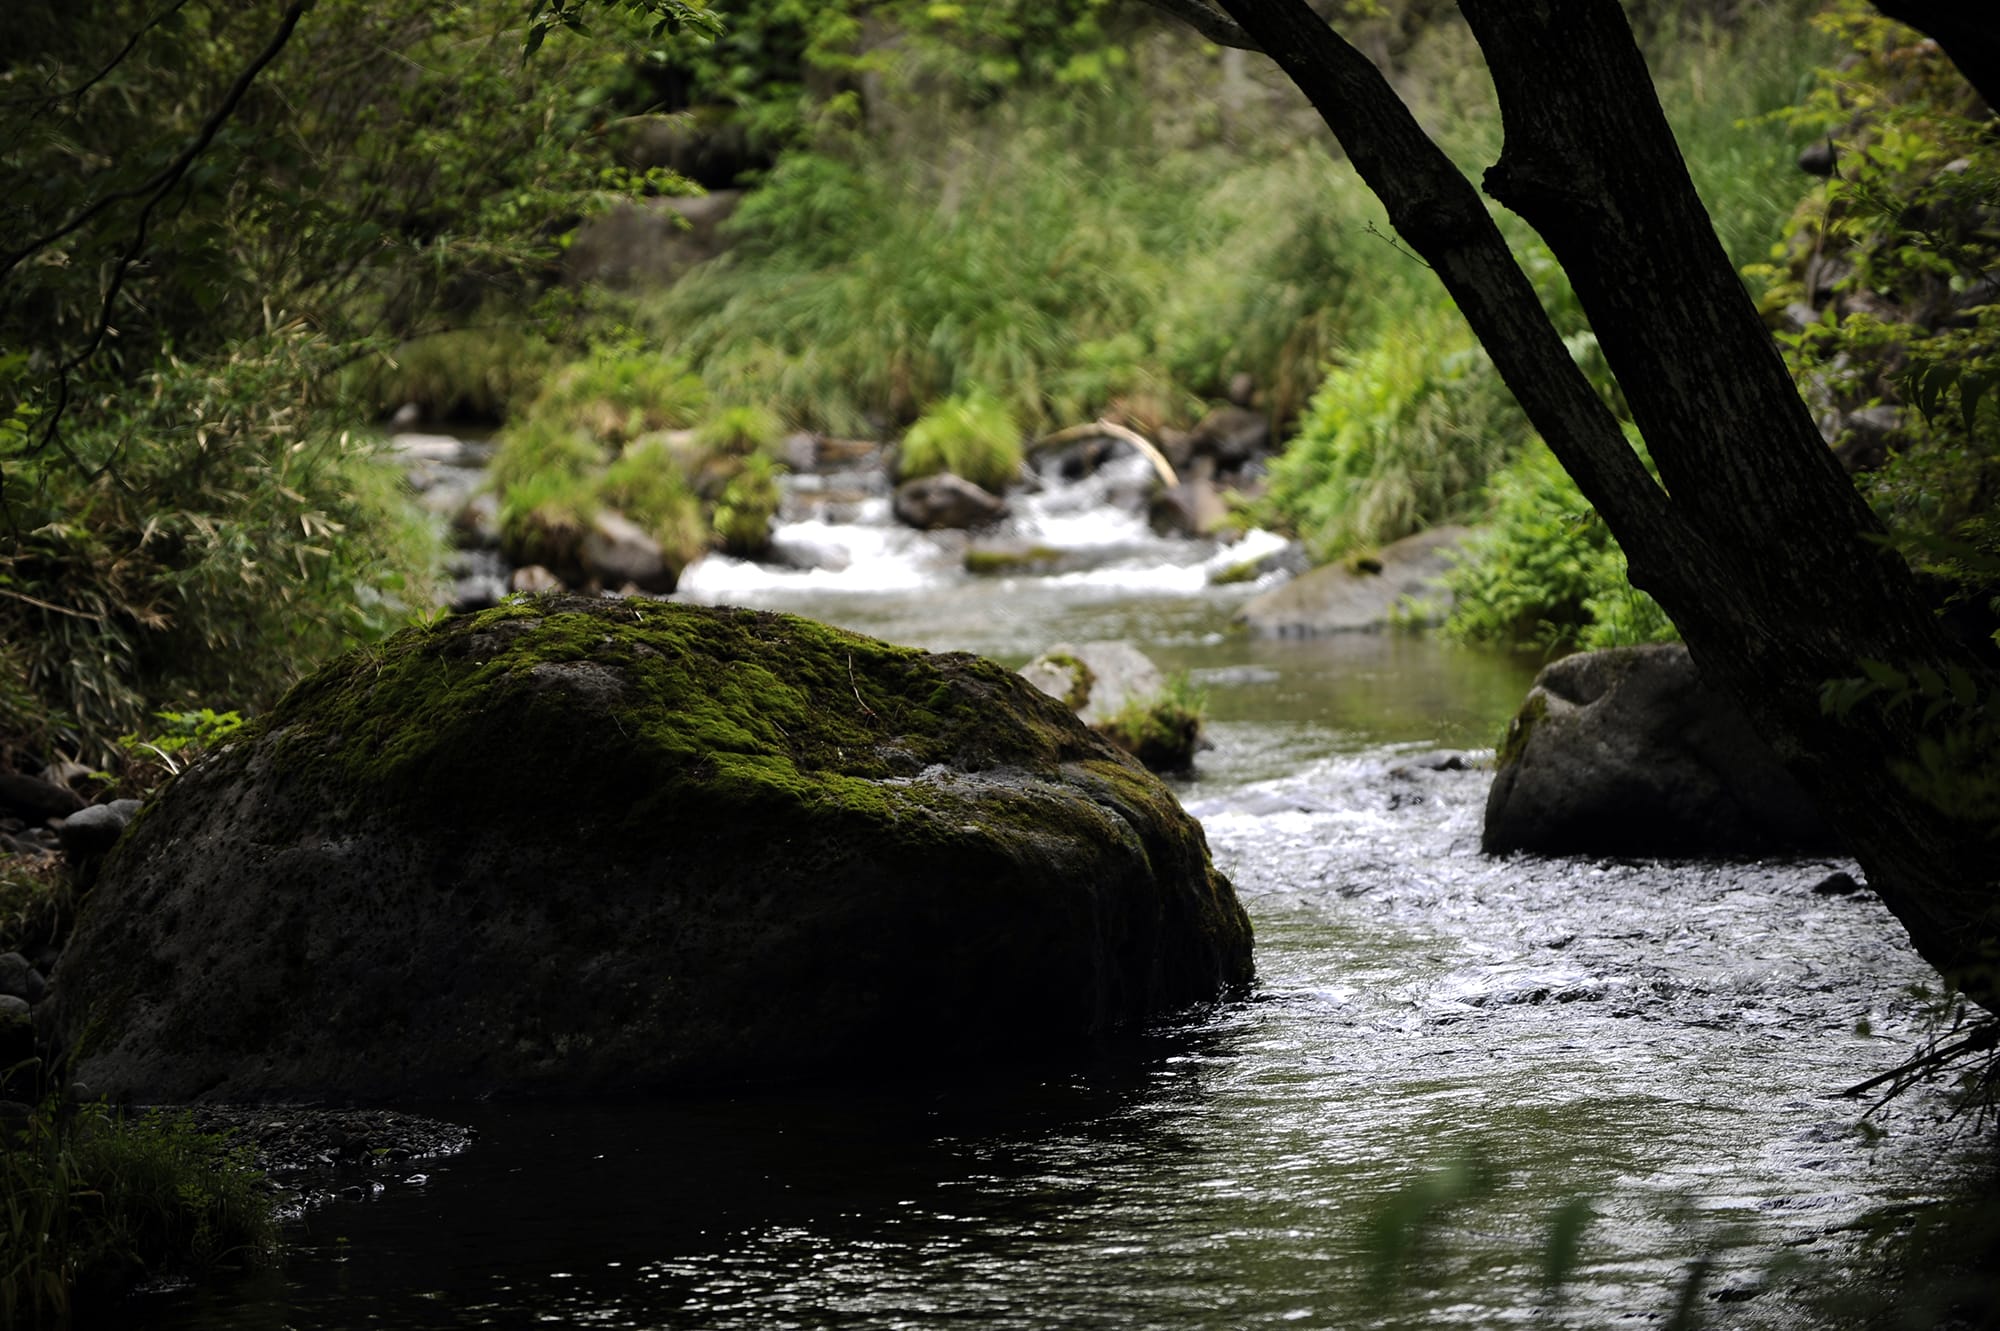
{"x": 1753, "y": 540}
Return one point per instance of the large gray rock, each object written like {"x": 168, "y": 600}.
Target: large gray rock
{"x": 37, "y": 798}
{"x": 650, "y": 243}
{"x": 20, "y": 980}
{"x": 574, "y": 845}
{"x": 1402, "y": 585}
{"x": 619, "y": 553}
{"x": 1097, "y": 679}
{"x": 1627, "y": 752}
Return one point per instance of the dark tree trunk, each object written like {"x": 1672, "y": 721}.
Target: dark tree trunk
{"x": 1966, "y": 30}
{"x": 1753, "y": 539}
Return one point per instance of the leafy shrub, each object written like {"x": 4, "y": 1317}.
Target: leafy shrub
{"x": 209, "y": 535}
{"x": 971, "y": 435}
{"x": 463, "y": 374}
{"x": 742, "y": 518}
{"x": 1547, "y": 572}
{"x": 1897, "y": 249}
{"x": 180, "y": 738}
{"x": 1051, "y": 248}
{"x": 648, "y": 485}
{"x": 618, "y": 394}
{"x": 740, "y": 432}
{"x": 95, "y": 1203}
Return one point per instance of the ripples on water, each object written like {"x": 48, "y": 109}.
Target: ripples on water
{"x": 1659, "y": 1041}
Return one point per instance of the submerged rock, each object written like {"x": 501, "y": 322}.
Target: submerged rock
{"x": 1627, "y": 752}
{"x": 569, "y": 846}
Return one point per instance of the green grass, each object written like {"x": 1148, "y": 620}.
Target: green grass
{"x": 1162, "y": 731}
{"x": 92, "y": 1203}
{"x": 971, "y": 435}
{"x": 1054, "y": 249}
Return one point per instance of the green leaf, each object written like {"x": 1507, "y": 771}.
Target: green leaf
{"x": 1883, "y": 674}
{"x": 1972, "y": 387}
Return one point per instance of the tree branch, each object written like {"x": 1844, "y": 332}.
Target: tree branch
{"x": 1210, "y": 22}
{"x": 1965, "y": 32}
{"x": 1439, "y": 213}
{"x": 169, "y": 175}
{"x": 154, "y": 190}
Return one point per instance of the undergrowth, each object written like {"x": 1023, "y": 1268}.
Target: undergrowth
{"x": 93, "y": 1202}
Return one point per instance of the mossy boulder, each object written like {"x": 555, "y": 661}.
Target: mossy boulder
{"x": 568, "y": 846}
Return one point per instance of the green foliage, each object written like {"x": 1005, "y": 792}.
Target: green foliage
{"x": 602, "y": 434}
{"x": 1400, "y": 437}
{"x": 184, "y": 519}
{"x": 461, "y": 374}
{"x": 1411, "y": 423}
{"x": 750, "y": 500}
{"x": 1897, "y": 250}
{"x": 616, "y": 394}
{"x": 1547, "y": 573}
{"x": 213, "y": 538}
{"x": 1052, "y": 249}
{"x": 93, "y": 1203}
{"x": 1404, "y": 1228}
{"x": 1163, "y": 731}
{"x": 648, "y": 485}
{"x": 971, "y": 435}
{"x": 182, "y": 737}
{"x": 36, "y": 903}
{"x": 1954, "y": 764}
{"x": 740, "y": 432}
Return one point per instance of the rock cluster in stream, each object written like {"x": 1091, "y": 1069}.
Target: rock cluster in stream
{"x": 839, "y": 481}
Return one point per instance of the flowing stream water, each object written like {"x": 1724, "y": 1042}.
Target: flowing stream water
{"x": 1456, "y": 1073}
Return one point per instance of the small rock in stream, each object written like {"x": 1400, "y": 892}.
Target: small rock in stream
{"x": 1838, "y": 885}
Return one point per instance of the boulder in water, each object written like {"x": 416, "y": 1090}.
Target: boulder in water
{"x": 1401, "y": 586}
{"x": 943, "y": 501}
{"x": 1627, "y": 752}
{"x": 570, "y": 846}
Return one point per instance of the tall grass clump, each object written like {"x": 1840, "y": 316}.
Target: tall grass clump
{"x": 1399, "y": 438}
{"x": 92, "y": 1203}
{"x": 1546, "y": 573}
{"x": 479, "y": 374}
{"x": 631, "y": 432}
{"x": 1163, "y": 730}
{"x": 615, "y": 394}
{"x": 971, "y": 435}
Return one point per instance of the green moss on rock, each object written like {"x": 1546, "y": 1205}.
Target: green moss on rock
{"x": 567, "y": 845}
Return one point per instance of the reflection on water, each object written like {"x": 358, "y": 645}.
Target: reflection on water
{"x": 1658, "y": 1041}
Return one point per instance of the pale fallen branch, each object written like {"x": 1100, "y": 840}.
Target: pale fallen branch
{"x": 1112, "y": 430}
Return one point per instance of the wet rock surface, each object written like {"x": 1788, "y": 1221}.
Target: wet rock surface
{"x": 1095, "y": 679}
{"x": 322, "y": 1150}
{"x": 786, "y": 852}
{"x": 1626, "y": 752}
{"x": 1402, "y": 585}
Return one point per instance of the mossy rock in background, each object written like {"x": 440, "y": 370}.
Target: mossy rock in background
{"x": 571, "y": 846}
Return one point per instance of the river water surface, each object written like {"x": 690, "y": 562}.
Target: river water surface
{"x": 1467, "y": 1092}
